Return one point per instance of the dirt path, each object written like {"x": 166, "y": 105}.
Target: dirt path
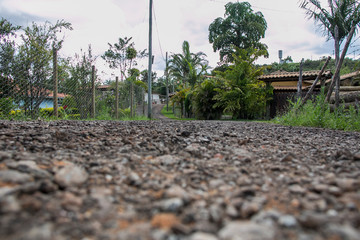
{"x": 157, "y": 112}
{"x": 177, "y": 180}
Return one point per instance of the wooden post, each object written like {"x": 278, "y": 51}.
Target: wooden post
{"x": 268, "y": 106}
{"x": 150, "y": 62}
{"x": 131, "y": 99}
{"x": 93, "y": 92}
{"x": 117, "y": 98}
{"x": 316, "y": 81}
{"x": 299, "y": 86}
{"x": 167, "y": 83}
{"x": 55, "y": 78}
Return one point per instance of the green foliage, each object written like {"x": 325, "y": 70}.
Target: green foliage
{"x": 341, "y": 13}
{"x": 32, "y": 65}
{"x": 349, "y": 65}
{"x": 124, "y": 113}
{"x": 6, "y": 106}
{"x": 78, "y": 84}
{"x": 48, "y": 113}
{"x": 204, "y": 100}
{"x": 187, "y": 67}
{"x": 122, "y": 55}
{"x": 171, "y": 115}
{"x": 241, "y": 28}
{"x": 240, "y": 92}
{"x": 69, "y": 101}
{"x": 318, "y": 114}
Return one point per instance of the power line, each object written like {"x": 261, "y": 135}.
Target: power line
{"x": 157, "y": 31}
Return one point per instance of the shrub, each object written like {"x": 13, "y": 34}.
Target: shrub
{"x": 204, "y": 102}
{"x": 318, "y": 114}
{"x": 6, "y": 105}
{"x": 49, "y": 113}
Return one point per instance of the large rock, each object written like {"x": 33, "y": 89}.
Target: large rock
{"x": 71, "y": 175}
{"x": 246, "y": 231}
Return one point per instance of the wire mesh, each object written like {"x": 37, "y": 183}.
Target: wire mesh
{"x": 36, "y": 83}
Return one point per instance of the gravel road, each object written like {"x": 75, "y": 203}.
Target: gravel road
{"x": 169, "y": 180}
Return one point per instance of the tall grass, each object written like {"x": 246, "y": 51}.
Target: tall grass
{"x": 318, "y": 114}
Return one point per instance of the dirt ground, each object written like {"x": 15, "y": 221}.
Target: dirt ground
{"x": 196, "y": 180}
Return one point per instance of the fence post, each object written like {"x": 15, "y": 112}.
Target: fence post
{"x": 117, "y": 98}
{"x": 93, "y": 92}
{"x": 55, "y": 78}
{"x": 299, "y": 86}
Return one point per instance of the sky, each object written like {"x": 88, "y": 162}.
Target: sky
{"x": 99, "y": 22}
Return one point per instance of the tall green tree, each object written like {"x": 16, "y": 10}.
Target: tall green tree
{"x": 337, "y": 22}
{"x": 240, "y": 27}
{"x": 78, "y": 85}
{"x": 33, "y": 63}
{"x": 187, "y": 67}
{"x": 241, "y": 93}
{"x": 122, "y": 55}
{"x": 7, "y": 54}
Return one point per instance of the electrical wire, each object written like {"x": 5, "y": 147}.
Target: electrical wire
{"x": 157, "y": 31}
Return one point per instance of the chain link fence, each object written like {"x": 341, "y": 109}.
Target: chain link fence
{"x": 32, "y": 94}
{"x": 35, "y": 83}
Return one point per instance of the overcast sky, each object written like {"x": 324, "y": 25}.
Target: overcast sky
{"x": 98, "y": 22}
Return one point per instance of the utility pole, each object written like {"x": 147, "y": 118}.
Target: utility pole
{"x": 150, "y": 62}
{"x": 167, "y": 83}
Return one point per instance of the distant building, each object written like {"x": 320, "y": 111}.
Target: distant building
{"x": 155, "y": 98}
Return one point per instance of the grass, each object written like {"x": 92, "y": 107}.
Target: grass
{"x": 318, "y": 114}
{"x": 170, "y": 114}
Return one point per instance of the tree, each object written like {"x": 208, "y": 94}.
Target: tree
{"x": 240, "y": 27}
{"x": 78, "y": 84}
{"x": 187, "y": 67}
{"x": 204, "y": 100}
{"x": 33, "y": 63}
{"x": 338, "y": 22}
{"x": 7, "y": 54}
{"x": 122, "y": 56}
{"x": 241, "y": 93}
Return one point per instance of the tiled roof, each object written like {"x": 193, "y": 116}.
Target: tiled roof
{"x": 293, "y": 76}
{"x": 346, "y": 76}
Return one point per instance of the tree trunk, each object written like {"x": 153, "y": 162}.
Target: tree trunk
{"x": 299, "y": 86}
{"x": 131, "y": 100}
{"x": 338, "y": 65}
{"x": 308, "y": 94}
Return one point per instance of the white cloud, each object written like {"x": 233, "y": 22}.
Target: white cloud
{"x": 98, "y": 22}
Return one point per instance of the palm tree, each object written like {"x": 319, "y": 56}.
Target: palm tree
{"x": 339, "y": 22}
{"x": 186, "y": 66}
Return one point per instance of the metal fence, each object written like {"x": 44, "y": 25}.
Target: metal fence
{"x": 48, "y": 91}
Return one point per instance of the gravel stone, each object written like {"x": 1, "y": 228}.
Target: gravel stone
{"x": 246, "y": 231}
{"x": 12, "y": 176}
{"x": 70, "y": 175}
{"x": 175, "y": 180}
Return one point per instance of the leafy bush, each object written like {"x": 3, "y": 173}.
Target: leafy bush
{"x": 69, "y": 101}
{"x": 17, "y": 115}
{"x": 318, "y": 114}
{"x": 6, "y": 105}
{"x": 124, "y": 113}
{"x": 204, "y": 102}
{"x": 49, "y": 112}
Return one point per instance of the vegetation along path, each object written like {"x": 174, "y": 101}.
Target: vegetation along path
{"x": 191, "y": 180}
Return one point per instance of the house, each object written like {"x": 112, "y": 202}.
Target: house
{"x": 155, "y": 98}
{"x": 48, "y": 102}
{"x": 285, "y": 87}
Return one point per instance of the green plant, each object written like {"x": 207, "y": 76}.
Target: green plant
{"x": 48, "y": 113}
{"x": 6, "y": 105}
{"x": 318, "y": 114}
{"x": 204, "y": 102}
